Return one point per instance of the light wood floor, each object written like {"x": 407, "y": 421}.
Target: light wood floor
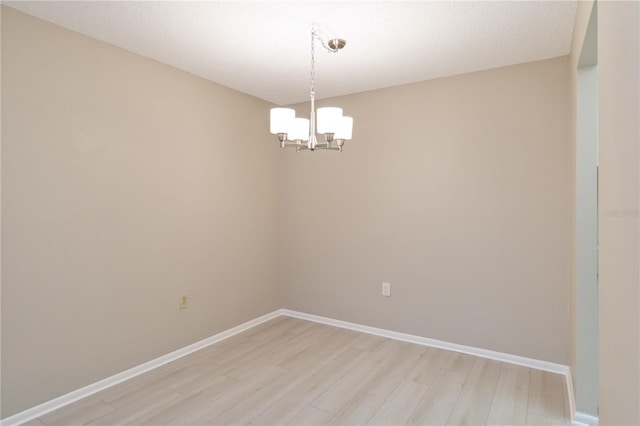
{"x": 290, "y": 371}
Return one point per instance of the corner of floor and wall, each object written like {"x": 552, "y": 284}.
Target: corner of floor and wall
{"x": 131, "y": 189}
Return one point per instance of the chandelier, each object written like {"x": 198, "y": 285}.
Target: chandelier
{"x": 301, "y": 132}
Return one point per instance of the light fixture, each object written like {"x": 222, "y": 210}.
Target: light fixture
{"x": 301, "y": 132}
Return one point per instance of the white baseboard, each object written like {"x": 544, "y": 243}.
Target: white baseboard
{"x": 579, "y": 419}
{"x": 63, "y": 400}
{"x": 582, "y": 419}
{"x": 483, "y": 353}
{"x": 570, "y": 394}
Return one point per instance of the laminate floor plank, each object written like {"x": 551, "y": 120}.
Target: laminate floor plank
{"x": 136, "y": 386}
{"x": 459, "y": 362}
{"x": 510, "y": 402}
{"x": 281, "y": 347}
{"x": 401, "y": 403}
{"x": 311, "y": 416}
{"x": 291, "y": 404}
{"x": 545, "y": 395}
{"x": 242, "y": 347}
{"x": 395, "y": 368}
{"x": 136, "y": 412}
{"x": 262, "y": 350}
{"x": 165, "y": 381}
{"x": 191, "y": 402}
{"x": 534, "y": 419}
{"x": 358, "y": 411}
{"x": 343, "y": 390}
{"x": 301, "y": 326}
{"x": 319, "y": 334}
{"x": 436, "y": 406}
{"x": 428, "y": 366}
{"x": 367, "y": 342}
{"x": 475, "y": 399}
{"x": 292, "y": 371}
{"x": 333, "y": 347}
{"x": 230, "y": 398}
{"x": 205, "y": 379}
{"x": 260, "y": 401}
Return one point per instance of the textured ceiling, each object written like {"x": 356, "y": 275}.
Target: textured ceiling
{"x": 262, "y": 48}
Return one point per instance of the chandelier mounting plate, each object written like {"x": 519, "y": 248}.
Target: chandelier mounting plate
{"x": 336, "y": 44}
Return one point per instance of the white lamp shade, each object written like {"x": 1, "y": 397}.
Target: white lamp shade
{"x": 299, "y": 130}
{"x": 345, "y": 129}
{"x": 329, "y": 119}
{"x": 281, "y": 120}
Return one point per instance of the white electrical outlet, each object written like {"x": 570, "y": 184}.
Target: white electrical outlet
{"x": 386, "y": 289}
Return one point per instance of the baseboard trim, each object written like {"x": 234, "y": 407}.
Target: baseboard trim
{"x": 54, "y": 404}
{"x": 570, "y": 394}
{"x": 578, "y": 418}
{"x": 582, "y": 419}
{"x": 483, "y": 353}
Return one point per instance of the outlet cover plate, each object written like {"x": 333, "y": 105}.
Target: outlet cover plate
{"x": 386, "y": 289}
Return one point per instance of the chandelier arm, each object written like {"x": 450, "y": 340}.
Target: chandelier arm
{"x": 288, "y": 143}
{"x": 330, "y": 148}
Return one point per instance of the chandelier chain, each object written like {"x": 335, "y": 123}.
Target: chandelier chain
{"x": 314, "y": 34}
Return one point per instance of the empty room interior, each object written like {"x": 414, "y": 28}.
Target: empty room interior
{"x": 193, "y": 232}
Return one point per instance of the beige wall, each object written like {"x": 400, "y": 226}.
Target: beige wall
{"x": 619, "y": 189}
{"x": 456, "y": 192}
{"x": 125, "y": 183}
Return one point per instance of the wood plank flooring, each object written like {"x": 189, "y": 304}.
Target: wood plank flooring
{"x": 291, "y": 371}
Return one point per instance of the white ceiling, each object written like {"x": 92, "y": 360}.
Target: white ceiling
{"x": 263, "y": 47}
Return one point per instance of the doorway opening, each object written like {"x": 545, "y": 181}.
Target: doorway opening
{"x": 587, "y": 299}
